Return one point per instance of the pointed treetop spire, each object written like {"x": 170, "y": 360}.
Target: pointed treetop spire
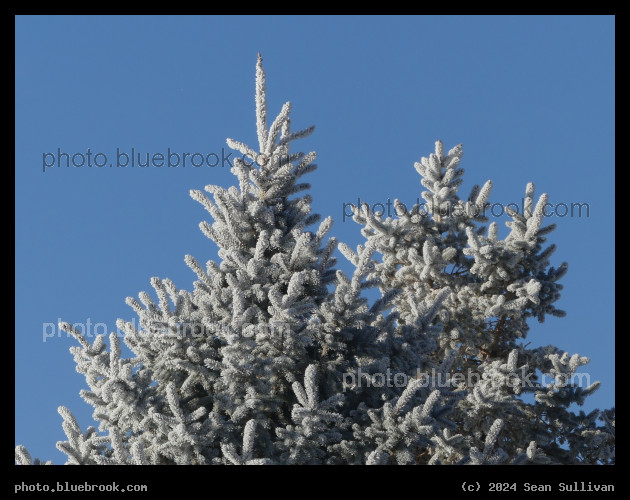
{"x": 261, "y": 104}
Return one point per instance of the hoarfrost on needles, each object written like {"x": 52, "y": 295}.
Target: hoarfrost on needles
{"x": 275, "y": 357}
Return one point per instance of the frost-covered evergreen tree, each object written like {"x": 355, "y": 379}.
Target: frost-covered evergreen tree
{"x": 275, "y": 357}
{"x": 484, "y": 290}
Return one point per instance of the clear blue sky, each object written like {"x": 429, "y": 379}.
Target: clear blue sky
{"x": 531, "y": 99}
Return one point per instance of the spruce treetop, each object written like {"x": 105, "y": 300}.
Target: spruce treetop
{"x": 276, "y": 357}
